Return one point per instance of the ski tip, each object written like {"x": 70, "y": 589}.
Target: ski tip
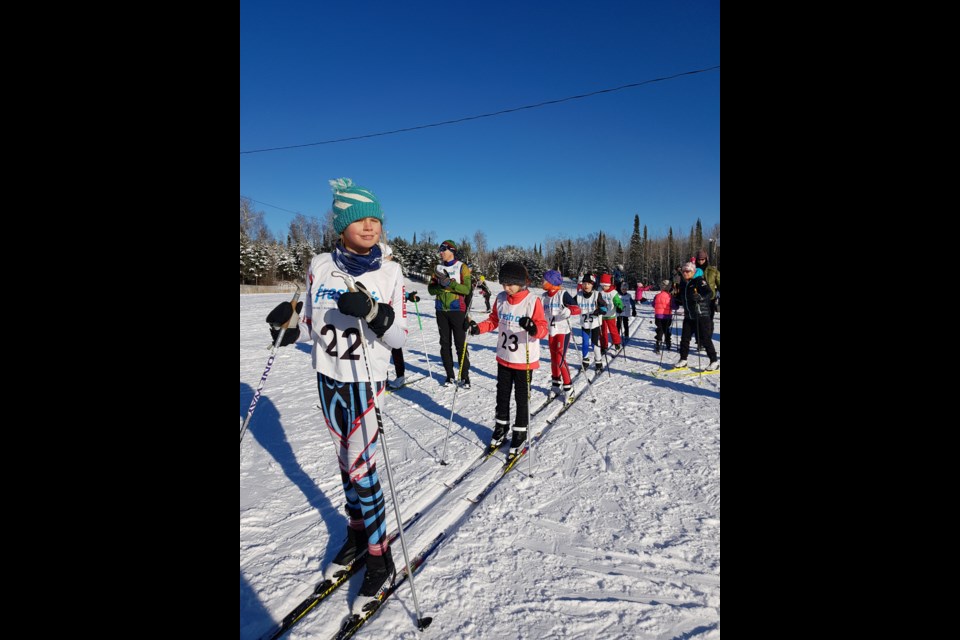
{"x": 424, "y": 623}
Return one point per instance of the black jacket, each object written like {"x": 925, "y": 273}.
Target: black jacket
{"x": 695, "y": 297}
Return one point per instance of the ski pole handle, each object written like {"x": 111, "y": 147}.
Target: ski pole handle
{"x": 263, "y": 379}
{"x": 283, "y": 329}
{"x": 347, "y": 280}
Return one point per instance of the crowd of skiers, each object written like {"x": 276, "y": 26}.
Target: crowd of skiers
{"x": 355, "y": 316}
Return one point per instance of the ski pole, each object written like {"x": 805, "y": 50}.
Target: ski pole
{"x": 424, "y": 340}
{"x": 573, "y": 337}
{"x": 701, "y": 347}
{"x": 453, "y": 405}
{"x": 351, "y": 285}
{"x": 662, "y": 348}
{"x": 677, "y": 329}
{"x": 526, "y": 344}
{"x": 626, "y": 331}
{"x": 266, "y": 372}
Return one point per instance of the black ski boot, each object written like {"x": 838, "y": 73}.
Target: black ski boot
{"x": 516, "y": 444}
{"x": 499, "y": 435}
{"x": 355, "y": 545}
{"x": 380, "y": 569}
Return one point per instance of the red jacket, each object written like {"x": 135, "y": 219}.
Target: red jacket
{"x": 663, "y": 304}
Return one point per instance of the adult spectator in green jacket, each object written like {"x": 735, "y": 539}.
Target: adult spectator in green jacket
{"x": 451, "y": 283}
{"x": 712, "y": 275}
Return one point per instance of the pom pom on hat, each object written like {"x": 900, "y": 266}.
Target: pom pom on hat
{"x": 352, "y": 203}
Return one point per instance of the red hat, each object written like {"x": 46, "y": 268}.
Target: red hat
{"x": 605, "y": 279}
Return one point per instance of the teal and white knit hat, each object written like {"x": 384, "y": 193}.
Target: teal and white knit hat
{"x": 352, "y": 203}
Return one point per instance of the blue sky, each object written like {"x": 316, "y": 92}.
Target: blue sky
{"x": 315, "y": 71}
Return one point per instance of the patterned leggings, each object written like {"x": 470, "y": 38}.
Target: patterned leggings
{"x": 350, "y": 417}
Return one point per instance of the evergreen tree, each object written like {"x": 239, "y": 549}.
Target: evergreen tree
{"x": 599, "y": 257}
{"x": 559, "y": 258}
{"x": 634, "y": 255}
{"x": 671, "y": 253}
{"x": 646, "y": 257}
{"x": 699, "y": 237}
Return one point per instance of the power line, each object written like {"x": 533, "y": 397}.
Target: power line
{"x": 273, "y": 205}
{"x": 487, "y": 115}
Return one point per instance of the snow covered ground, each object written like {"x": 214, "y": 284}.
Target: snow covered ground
{"x": 613, "y": 533}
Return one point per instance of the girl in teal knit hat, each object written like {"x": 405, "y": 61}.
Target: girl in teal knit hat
{"x": 346, "y": 391}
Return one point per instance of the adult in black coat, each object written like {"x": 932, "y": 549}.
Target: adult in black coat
{"x": 695, "y": 296}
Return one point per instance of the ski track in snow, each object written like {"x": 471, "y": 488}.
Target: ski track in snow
{"x": 613, "y": 529}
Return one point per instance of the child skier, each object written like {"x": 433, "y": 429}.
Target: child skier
{"x": 592, "y": 306}
{"x": 558, "y": 306}
{"x": 485, "y": 291}
{"x": 346, "y": 392}
{"x": 614, "y": 306}
{"x": 663, "y": 306}
{"x": 629, "y": 310}
{"x": 519, "y": 315}
{"x": 638, "y": 296}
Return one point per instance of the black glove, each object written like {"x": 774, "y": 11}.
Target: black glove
{"x": 599, "y": 311}
{"x": 527, "y": 323}
{"x": 278, "y": 318}
{"x": 413, "y": 297}
{"x": 466, "y": 322}
{"x": 383, "y": 320}
{"x": 357, "y": 303}
{"x": 634, "y": 313}
{"x": 443, "y": 281}
{"x": 474, "y": 328}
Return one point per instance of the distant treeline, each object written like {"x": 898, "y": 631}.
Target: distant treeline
{"x": 265, "y": 259}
